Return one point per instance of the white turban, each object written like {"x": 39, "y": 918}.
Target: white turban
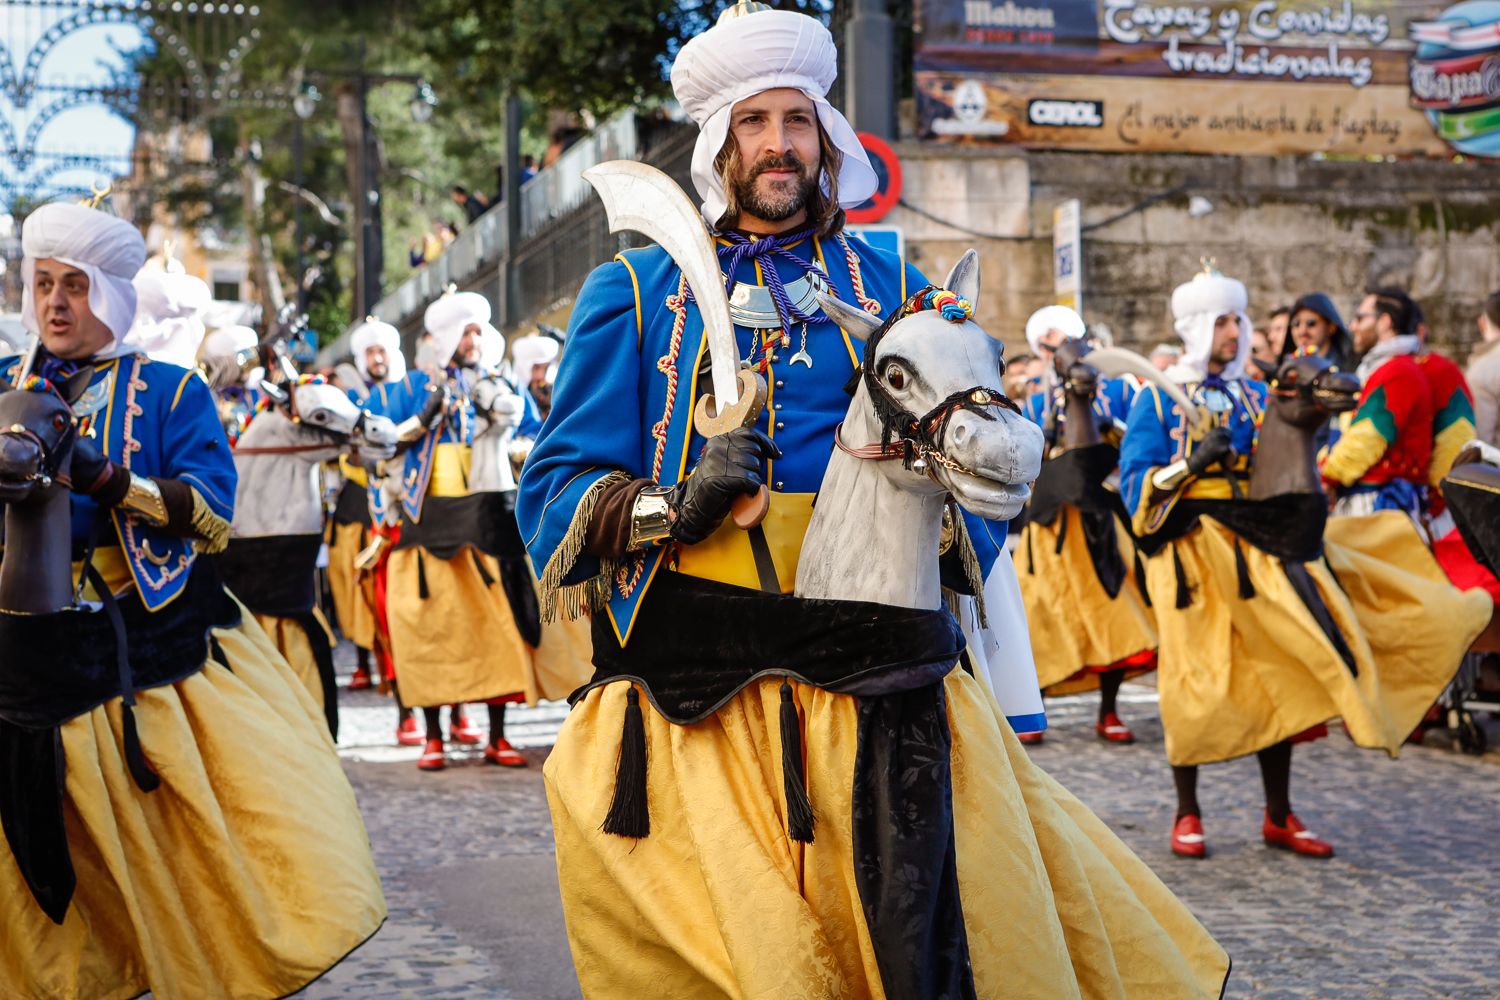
{"x": 169, "y": 316}
{"x": 228, "y": 341}
{"x": 527, "y": 352}
{"x": 744, "y": 55}
{"x": 374, "y": 333}
{"x": 1196, "y": 306}
{"x": 107, "y": 249}
{"x": 448, "y": 317}
{"x": 1049, "y": 318}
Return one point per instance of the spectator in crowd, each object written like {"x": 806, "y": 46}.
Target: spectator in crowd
{"x": 1484, "y": 373}
{"x": 473, "y": 203}
{"x": 1164, "y": 356}
{"x": 1036, "y": 370}
{"x": 1260, "y": 350}
{"x": 1015, "y": 376}
{"x": 1281, "y": 321}
{"x": 528, "y": 167}
{"x": 1316, "y": 326}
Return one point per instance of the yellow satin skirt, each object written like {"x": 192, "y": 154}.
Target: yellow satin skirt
{"x": 352, "y": 607}
{"x": 564, "y": 661}
{"x": 1237, "y": 675}
{"x": 1418, "y": 623}
{"x": 460, "y": 642}
{"x": 290, "y": 640}
{"x": 719, "y": 902}
{"x": 1077, "y": 629}
{"x": 246, "y": 874}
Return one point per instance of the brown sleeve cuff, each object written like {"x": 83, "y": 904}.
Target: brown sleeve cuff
{"x": 177, "y": 497}
{"x": 608, "y": 533}
{"x": 116, "y": 485}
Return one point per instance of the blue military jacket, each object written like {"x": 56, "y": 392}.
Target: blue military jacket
{"x": 156, "y": 419}
{"x": 404, "y": 399}
{"x": 634, "y": 365}
{"x": 1111, "y": 404}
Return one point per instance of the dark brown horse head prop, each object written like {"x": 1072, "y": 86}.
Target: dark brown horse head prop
{"x": 37, "y": 431}
{"x": 1307, "y": 389}
{"x": 1078, "y": 377}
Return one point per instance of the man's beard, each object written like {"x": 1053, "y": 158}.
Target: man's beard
{"x": 781, "y": 204}
{"x": 378, "y": 373}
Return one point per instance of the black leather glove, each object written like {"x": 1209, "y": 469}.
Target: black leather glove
{"x": 90, "y": 470}
{"x": 729, "y": 467}
{"x": 1215, "y": 447}
{"x": 432, "y": 408}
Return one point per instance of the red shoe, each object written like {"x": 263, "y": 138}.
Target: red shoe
{"x": 461, "y": 728}
{"x": 1031, "y": 739}
{"x": 361, "y": 680}
{"x": 1294, "y": 837}
{"x": 1111, "y": 729}
{"x": 409, "y": 733}
{"x": 1187, "y": 838}
{"x": 432, "y": 757}
{"x": 502, "y": 753}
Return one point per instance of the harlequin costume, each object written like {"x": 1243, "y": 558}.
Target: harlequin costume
{"x": 459, "y": 604}
{"x": 1075, "y": 558}
{"x": 1259, "y": 643}
{"x": 200, "y": 838}
{"x": 727, "y": 863}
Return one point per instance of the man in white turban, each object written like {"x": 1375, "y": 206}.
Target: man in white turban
{"x": 701, "y": 852}
{"x": 189, "y": 746}
{"x": 457, "y": 600}
{"x": 376, "y": 347}
{"x": 170, "y": 304}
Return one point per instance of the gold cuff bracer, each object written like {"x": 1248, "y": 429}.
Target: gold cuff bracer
{"x": 212, "y": 531}
{"x": 143, "y": 499}
{"x": 409, "y": 430}
{"x": 1169, "y": 477}
{"x": 651, "y": 517}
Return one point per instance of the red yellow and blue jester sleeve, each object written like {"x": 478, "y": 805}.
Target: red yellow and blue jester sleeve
{"x": 592, "y": 438}
{"x": 1385, "y": 407}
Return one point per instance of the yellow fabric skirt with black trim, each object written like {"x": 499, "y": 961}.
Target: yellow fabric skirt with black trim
{"x": 719, "y": 902}
{"x": 246, "y": 874}
{"x": 563, "y": 663}
{"x": 453, "y": 635}
{"x": 1077, "y": 629}
{"x": 352, "y": 608}
{"x": 1238, "y": 674}
{"x": 1419, "y": 624}
{"x": 290, "y": 640}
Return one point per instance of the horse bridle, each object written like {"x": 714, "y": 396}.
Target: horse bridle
{"x": 297, "y": 449}
{"x": 46, "y": 471}
{"x": 916, "y": 440}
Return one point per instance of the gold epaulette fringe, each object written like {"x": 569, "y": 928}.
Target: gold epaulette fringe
{"x": 211, "y": 529}
{"x": 972, "y": 571}
{"x": 578, "y": 599}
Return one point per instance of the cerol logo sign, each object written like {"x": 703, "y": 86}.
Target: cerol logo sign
{"x": 1066, "y": 114}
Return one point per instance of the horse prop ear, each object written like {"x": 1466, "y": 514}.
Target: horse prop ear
{"x": 855, "y": 322}
{"x": 76, "y": 385}
{"x": 1267, "y": 368}
{"x": 277, "y": 394}
{"x": 963, "y": 280}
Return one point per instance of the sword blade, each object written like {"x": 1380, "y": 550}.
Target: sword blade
{"x": 640, "y": 198}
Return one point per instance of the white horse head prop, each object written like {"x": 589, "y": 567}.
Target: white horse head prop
{"x": 928, "y": 420}
{"x": 497, "y": 411}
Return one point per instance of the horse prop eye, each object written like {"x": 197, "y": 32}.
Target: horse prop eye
{"x": 895, "y": 377}
{"x": 59, "y": 421}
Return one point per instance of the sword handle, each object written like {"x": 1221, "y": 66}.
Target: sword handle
{"x": 749, "y": 509}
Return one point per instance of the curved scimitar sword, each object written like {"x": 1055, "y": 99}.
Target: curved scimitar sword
{"x": 1113, "y": 362}
{"x": 640, "y": 198}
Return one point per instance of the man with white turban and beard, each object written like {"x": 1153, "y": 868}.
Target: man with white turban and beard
{"x": 1260, "y": 645}
{"x": 376, "y": 347}
{"x": 456, "y": 596}
{"x": 700, "y": 853}
{"x": 176, "y": 820}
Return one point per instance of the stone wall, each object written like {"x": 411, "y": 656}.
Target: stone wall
{"x": 1282, "y": 225}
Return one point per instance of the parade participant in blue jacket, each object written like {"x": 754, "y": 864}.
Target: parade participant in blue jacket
{"x": 176, "y": 819}
{"x": 695, "y": 857}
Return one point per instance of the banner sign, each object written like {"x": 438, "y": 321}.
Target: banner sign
{"x": 1341, "y": 77}
{"x": 1067, "y": 255}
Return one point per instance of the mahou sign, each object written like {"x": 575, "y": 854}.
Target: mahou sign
{"x": 1402, "y": 77}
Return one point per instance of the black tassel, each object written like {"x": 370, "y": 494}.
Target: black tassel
{"x": 1062, "y": 532}
{"x": 1242, "y": 570}
{"x": 216, "y": 651}
{"x": 799, "y": 814}
{"x": 484, "y": 574}
{"x": 1184, "y": 593}
{"x": 135, "y": 757}
{"x": 629, "y": 815}
{"x": 1030, "y": 553}
{"x": 1140, "y": 579}
{"x": 422, "y": 590}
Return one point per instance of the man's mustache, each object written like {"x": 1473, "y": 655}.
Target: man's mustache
{"x": 786, "y": 161}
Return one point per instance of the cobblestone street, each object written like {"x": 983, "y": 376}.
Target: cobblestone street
{"x": 1407, "y": 909}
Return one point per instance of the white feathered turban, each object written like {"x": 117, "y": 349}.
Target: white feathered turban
{"x": 108, "y": 249}
{"x": 1196, "y": 306}
{"x": 374, "y": 333}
